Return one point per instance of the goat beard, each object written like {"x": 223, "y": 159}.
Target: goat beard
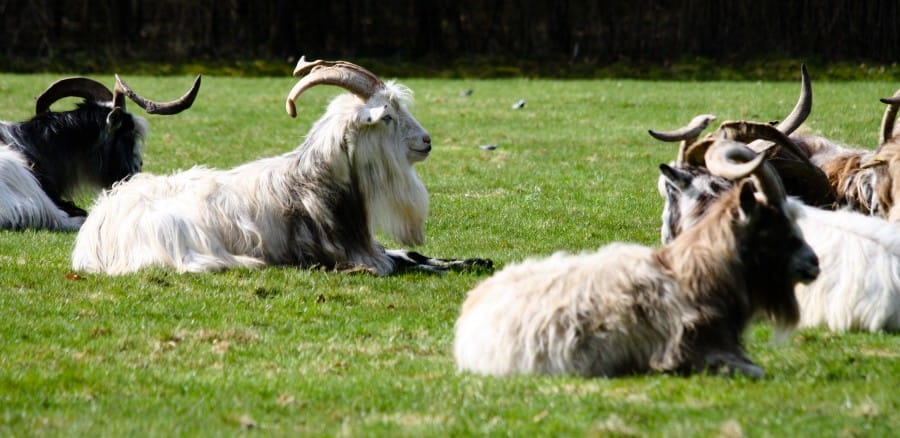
{"x": 398, "y": 206}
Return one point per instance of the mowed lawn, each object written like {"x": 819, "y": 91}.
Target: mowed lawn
{"x": 284, "y": 351}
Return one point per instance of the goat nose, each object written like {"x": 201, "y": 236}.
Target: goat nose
{"x": 426, "y": 139}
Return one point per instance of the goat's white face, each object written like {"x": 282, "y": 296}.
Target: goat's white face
{"x": 688, "y": 193}
{"x": 395, "y": 119}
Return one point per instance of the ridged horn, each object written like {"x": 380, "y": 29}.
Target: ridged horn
{"x": 346, "y": 75}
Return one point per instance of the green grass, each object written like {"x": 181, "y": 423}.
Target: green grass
{"x": 291, "y": 352}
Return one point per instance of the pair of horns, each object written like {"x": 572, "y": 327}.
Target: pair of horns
{"x": 92, "y": 90}
{"x": 688, "y": 135}
{"x": 346, "y": 75}
{"x": 735, "y": 160}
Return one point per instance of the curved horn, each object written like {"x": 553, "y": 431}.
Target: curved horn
{"x": 152, "y": 107}
{"x": 890, "y": 115}
{"x": 346, "y": 75}
{"x": 689, "y": 132}
{"x": 733, "y": 160}
{"x": 800, "y": 112}
{"x": 687, "y": 135}
{"x": 792, "y": 164}
{"x": 751, "y": 132}
{"x": 82, "y": 87}
{"x": 803, "y": 107}
{"x": 695, "y": 153}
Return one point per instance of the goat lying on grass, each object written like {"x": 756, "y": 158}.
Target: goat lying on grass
{"x": 632, "y": 309}
{"x": 47, "y": 160}
{"x": 859, "y": 287}
{"x": 315, "y": 206}
{"x": 866, "y": 181}
{"x": 800, "y": 177}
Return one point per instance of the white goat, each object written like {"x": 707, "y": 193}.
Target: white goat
{"x": 859, "y": 287}
{"x": 315, "y": 206}
{"x": 54, "y": 156}
{"x": 631, "y": 309}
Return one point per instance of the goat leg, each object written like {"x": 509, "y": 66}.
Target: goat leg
{"x": 411, "y": 260}
{"x": 730, "y": 363}
{"x": 69, "y": 207}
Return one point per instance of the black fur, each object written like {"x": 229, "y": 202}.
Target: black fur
{"x": 71, "y": 150}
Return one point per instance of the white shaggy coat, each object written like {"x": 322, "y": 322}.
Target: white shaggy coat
{"x": 315, "y": 206}
{"x": 565, "y": 315}
{"x": 859, "y": 288}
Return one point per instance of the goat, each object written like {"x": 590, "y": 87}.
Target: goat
{"x": 632, "y": 309}
{"x": 859, "y": 287}
{"x": 800, "y": 177}
{"x": 48, "y": 160}
{"x": 861, "y": 179}
{"x": 316, "y": 206}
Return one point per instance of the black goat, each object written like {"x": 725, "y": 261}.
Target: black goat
{"x": 47, "y": 160}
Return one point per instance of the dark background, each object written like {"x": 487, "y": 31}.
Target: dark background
{"x": 542, "y": 37}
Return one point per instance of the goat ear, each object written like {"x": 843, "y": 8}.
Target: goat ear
{"x": 372, "y": 115}
{"x": 748, "y": 197}
{"x": 679, "y": 178}
{"x": 114, "y": 119}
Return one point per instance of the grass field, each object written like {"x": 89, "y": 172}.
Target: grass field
{"x": 290, "y": 352}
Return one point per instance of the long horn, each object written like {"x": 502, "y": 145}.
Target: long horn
{"x": 346, "y": 75}
{"x": 733, "y": 160}
{"x": 803, "y": 107}
{"x": 82, "y": 87}
{"x": 890, "y": 115}
{"x": 797, "y": 172}
{"x": 691, "y": 131}
{"x": 800, "y": 112}
{"x": 687, "y": 135}
{"x": 152, "y": 107}
{"x": 750, "y": 132}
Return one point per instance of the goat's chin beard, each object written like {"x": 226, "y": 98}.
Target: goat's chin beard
{"x": 401, "y": 211}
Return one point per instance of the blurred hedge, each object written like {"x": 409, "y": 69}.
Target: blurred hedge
{"x": 547, "y": 37}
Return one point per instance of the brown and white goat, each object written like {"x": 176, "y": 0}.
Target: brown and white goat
{"x": 861, "y": 179}
{"x": 632, "y": 309}
{"x": 859, "y": 255}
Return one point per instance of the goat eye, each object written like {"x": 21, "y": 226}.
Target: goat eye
{"x": 387, "y": 118}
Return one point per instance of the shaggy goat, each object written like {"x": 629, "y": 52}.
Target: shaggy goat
{"x": 315, "y": 206}
{"x": 859, "y": 287}
{"x": 800, "y": 177}
{"x": 632, "y": 309}
{"x": 861, "y": 179}
{"x": 47, "y": 160}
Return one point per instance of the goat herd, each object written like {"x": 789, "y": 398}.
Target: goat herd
{"x": 758, "y": 222}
